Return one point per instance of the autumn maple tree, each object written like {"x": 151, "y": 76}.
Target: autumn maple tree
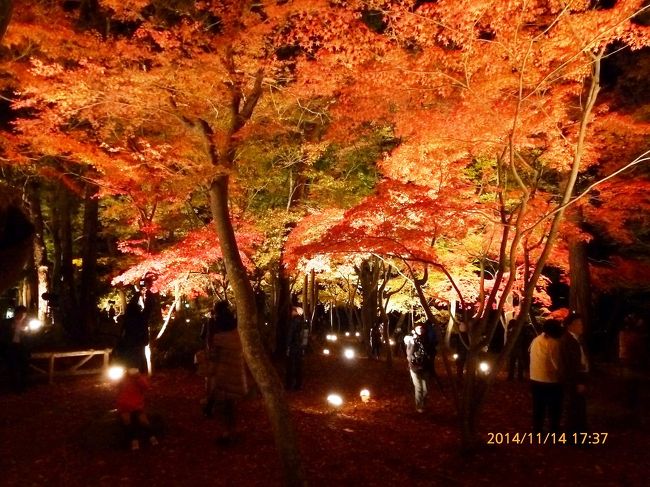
{"x": 485, "y": 108}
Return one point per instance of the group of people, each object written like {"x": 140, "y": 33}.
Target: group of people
{"x": 558, "y": 368}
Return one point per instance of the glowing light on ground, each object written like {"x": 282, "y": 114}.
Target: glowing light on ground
{"x": 116, "y": 372}
{"x": 391, "y": 341}
{"x": 484, "y": 367}
{"x": 347, "y": 333}
{"x": 357, "y": 334}
{"x": 331, "y": 337}
{"x": 326, "y": 351}
{"x": 349, "y": 353}
{"x": 34, "y": 325}
{"x": 365, "y": 395}
{"x": 335, "y": 400}
{"x": 455, "y": 356}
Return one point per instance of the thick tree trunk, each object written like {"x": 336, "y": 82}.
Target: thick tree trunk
{"x": 16, "y": 236}
{"x": 254, "y": 351}
{"x": 87, "y": 292}
{"x": 368, "y": 273}
{"x": 40, "y": 251}
{"x": 64, "y": 306}
{"x": 580, "y": 290}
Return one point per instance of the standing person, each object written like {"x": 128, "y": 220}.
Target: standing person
{"x": 419, "y": 353}
{"x": 546, "y": 386}
{"x": 135, "y": 335}
{"x": 15, "y": 349}
{"x": 131, "y": 408}
{"x": 296, "y": 344}
{"x": 221, "y": 318}
{"x": 575, "y": 369}
{"x": 519, "y": 358}
{"x": 375, "y": 341}
{"x": 229, "y": 375}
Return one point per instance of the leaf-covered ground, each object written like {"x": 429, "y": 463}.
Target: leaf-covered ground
{"x": 64, "y": 434}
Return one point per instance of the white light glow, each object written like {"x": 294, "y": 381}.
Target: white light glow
{"x": 147, "y": 355}
{"x": 335, "y": 400}
{"x": 331, "y": 337}
{"x": 34, "y": 325}
{"x": 187, "y": 320}
{"x": 349, "y": 353}
{"x": 357, "y": 334}
{"x": 365, "y": 395}
{"x": 455, "y": 356}
{"x": 116, "y": 372}
{"x": 391, "y": 341}
{"x": 484, "y": 367}
{"x": 326, "y": 351}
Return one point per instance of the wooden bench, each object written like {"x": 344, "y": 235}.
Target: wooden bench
{"x": 76, "y": 368}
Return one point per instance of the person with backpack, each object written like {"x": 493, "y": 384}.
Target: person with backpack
{"x": 420, "y": 352}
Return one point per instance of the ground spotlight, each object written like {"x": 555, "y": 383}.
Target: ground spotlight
{"x": 349, "y": 353}
{"x": 35, "y": 325}
{"x": 326, "y": 351}
{"x": 484, "y": 367}
{"x": 335, "y": 400}
{"x": 116, "y": 372}
{"x": 455, "y": 356}
{"x": 365, "y": 395}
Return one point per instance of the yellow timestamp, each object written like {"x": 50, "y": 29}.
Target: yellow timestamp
{"x": 530, "y": 438}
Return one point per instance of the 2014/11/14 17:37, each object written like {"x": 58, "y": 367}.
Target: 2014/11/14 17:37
{"x": 530, "y": 438}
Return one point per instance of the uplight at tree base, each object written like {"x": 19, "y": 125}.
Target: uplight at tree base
{"x": 34, "y": 325}
{"x": 357, "y": 334}
{"x": 326, "y": 351}
{"x": 484, "y": 367}
{"x": 391, "y": 341}
{"x": 347, "y": 333}
{"x": 335, "y": 400}
{"x": 455, "y": 356}
{"x": 116, "y": 372}
{"x": 349, "y": 353}
{"x": 365, "y": 395}
{"x": 147, "y": 355}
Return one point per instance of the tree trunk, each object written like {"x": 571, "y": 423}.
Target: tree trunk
{"x": 6, "y": 8}
{"x": 258, "y": 362}
{"x": 580, "y": 290}
{"x": 368, "y": 273}
{"x": 87, "y": 292}
{"x": 64, "y": 305}
{"x": 40, "y": 251}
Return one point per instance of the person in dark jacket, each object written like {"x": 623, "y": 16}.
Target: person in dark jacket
{"x": 229, "y": 375}
{"x": 15, "y": 349}
{"x": 574, "y": 368}
{"x": 221, "y": 319}
{"x": 420, "y": 351}
{"x": 296, "y": 344}
{"x": 135, "y": 335}
{"x": 518, "y": 363}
